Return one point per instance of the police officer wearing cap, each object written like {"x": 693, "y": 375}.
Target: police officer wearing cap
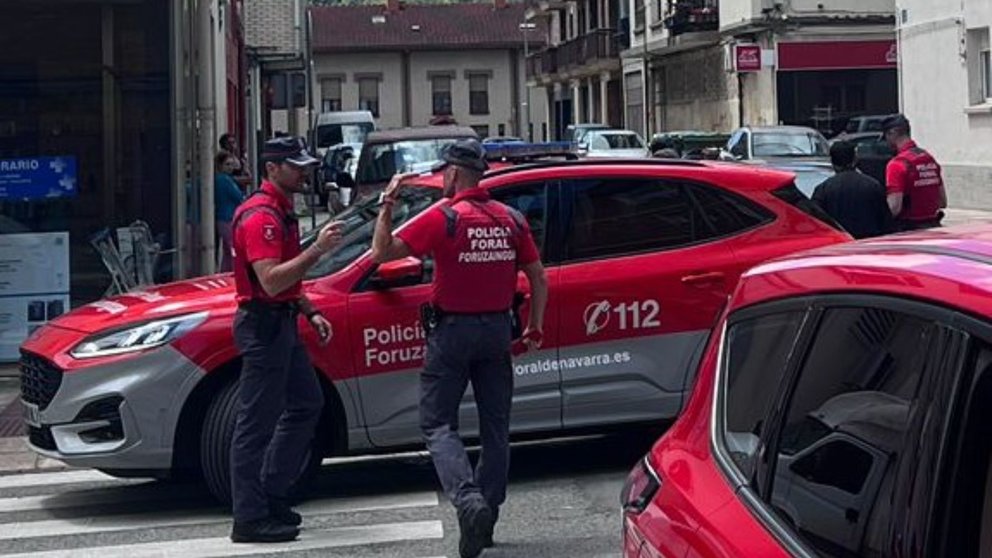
{"x": 279, "y": 397}
{"x": 478, "y": 245}
{"x": 913, "y": 182}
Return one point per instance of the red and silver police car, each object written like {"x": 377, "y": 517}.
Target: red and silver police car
{"x": 640, "y": 255}
{"x": 841, "y": 409}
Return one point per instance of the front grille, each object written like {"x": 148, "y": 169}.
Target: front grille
{"x": 41, "y": 438}
{"x": 40, "y": 380}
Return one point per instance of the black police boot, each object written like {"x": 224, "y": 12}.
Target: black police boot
{"x": 474, "y": 521}
{"x": 280, "y": 510}
{"x": 267, "y": 530}
{"x": 487, "y": 541}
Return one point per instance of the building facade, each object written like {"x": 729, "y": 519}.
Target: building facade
{"x": 579, "y": 71}
{"x": 719, "y": 64}
{"x": 408, "y": 64}
{"x": 946, "y": 84}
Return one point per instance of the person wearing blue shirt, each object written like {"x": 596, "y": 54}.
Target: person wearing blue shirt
{"x": 227, "y": 197}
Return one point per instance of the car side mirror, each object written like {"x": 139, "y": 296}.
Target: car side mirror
{"x": 399, "y": 273}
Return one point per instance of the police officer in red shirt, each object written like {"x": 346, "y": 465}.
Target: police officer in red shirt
{"x": 478, "y": 246}
{"x": 913, "y": 183}
{"x": 279, "y": 396}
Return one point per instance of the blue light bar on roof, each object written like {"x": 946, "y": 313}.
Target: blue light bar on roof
{"x": 512, "y": 151}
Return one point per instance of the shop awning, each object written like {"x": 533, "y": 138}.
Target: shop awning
{"x": 837, "y": 55}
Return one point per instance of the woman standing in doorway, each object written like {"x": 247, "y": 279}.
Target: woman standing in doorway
{"x": 227, "y": 197}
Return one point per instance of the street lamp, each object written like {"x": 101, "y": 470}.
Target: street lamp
{"x": 524, "y": 28}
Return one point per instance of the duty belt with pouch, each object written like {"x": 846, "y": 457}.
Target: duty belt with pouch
{"x": 431, "y": 315}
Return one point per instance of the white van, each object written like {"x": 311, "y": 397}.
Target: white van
{"x": 348, "y": 127}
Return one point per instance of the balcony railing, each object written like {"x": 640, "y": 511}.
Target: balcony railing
{"x": 595, "y": 46}
{"x": 692, "y": 16}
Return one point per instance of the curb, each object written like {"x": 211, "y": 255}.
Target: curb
{"x": 16, "y": 458}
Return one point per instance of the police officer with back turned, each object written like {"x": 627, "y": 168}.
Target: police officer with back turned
{"x": 913, "y": 181}
{"x": 279, "y": 397}
{"x": 478, "y": 246}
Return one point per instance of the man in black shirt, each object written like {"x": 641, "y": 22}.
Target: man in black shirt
{"x": 854, "y": 200}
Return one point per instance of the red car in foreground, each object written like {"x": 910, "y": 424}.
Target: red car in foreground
{"x": 640, "y": 257}
{"x": 841, "y": 409}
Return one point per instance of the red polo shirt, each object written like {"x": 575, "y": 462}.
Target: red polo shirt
{"x": 270, "y": 233}
{"x": 475, "y": 270}
{"x": 915, "y": 174}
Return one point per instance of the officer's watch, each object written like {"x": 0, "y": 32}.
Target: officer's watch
{"x": 384, "y": 199}
{"x": 311, "y": 314}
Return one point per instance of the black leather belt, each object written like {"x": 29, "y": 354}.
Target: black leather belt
{"x": 271, "y": 307}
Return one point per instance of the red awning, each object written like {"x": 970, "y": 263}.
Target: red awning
{"x": 837, "y": 55}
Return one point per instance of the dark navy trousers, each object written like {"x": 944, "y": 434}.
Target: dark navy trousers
{"x": 463, "y": 349}
{"x": 279, "y": 403}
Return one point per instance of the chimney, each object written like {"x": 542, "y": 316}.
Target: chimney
{"x": 499, "y": 4}
{"x": 392, "y": 6}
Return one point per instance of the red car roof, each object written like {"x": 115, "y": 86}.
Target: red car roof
{"x": 735, "y": 176}
{"x": 948, "y": 266}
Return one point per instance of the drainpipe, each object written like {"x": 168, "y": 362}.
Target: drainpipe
{"x": 178, "y": 111}
{"x": 206, "y": 121}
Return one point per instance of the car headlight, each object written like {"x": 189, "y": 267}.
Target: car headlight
{"x": 137, "y": 338}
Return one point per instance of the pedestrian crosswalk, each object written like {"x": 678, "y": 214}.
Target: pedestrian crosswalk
{"x": 83, "y": 513}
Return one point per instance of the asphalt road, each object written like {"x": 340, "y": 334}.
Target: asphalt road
{"x": 563, "y": 502}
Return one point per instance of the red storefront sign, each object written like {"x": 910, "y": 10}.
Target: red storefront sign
{"x": 747, "y": 58}
{"x": 837, "y": 55}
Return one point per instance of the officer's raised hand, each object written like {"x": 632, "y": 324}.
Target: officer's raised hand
{"x": 396, "y": 185}
{"x": 329, "y": 236}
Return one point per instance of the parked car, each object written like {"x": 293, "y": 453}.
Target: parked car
{"x": 841, "y": 409}
{"x": 777, "y": 142}
{"x": 404, "y": 150}
{"x": 615, "y": 144}
{"x": 861, "y": 124}
{"x": 350, "y": 127}
{"x": 689, "y": 144}
{"x": 809, "y": 174}
{"x": 577, "y": 132}
{"x": 641, "y": 257}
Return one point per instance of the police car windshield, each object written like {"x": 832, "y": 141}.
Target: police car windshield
{"x": 789, "y": 144}
{"x": 380, "y": 162}
{"x": 359, "y": 224}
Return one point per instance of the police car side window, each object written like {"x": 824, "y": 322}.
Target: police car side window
{"x": 726, "y": 213}
{"x": 531, "y": 201}
{"x": 618, "y": 216}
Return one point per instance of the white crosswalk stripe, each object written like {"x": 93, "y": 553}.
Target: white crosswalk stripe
{"x": 64, "y": 510}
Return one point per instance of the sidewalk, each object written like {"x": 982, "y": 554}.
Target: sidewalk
{"x": 962, "y": 216}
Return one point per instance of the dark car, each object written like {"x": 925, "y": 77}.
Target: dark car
{"x": 404, "y": 150}
{"x": 689, "y": 144}
{"x": 873, "y": 153}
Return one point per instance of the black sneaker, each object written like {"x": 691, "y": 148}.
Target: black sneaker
{"x": 283, "y": 513}
{"x": 266, "y": 530}
{"x": 474, "y": 521}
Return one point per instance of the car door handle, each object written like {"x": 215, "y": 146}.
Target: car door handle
{"x": 703, "y": 278}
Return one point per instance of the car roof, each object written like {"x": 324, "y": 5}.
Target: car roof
{"x": 796, "y": 129}
{"x": 949, "y": 266}
{"x": 733, "y": 176}
{"x": 424, "y": 133}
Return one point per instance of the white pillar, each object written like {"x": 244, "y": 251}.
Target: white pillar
{"x": 576, "y": 102}
{"x": 591, "y": 101}
{"x": 604, "y": 101}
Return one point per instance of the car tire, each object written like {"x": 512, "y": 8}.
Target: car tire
{"x": 215, "y": 442}
{"x": 215, "y": 449}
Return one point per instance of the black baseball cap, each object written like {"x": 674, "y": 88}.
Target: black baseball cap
{"x": 288, "y": 149}
{"x": 895, "y": 121}
{"x": 467, "y": 153}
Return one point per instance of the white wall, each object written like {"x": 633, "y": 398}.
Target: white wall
{"x": 734, "y": 12}
{"x": 389, "y": 64}
{"x": 500, "y": 86}
{"x": 934, "y": 78}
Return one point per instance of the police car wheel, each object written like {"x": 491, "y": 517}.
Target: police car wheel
{"x": 215, "y": 442}
{"x": 215, "y": 448}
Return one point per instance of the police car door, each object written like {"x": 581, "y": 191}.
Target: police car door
{"x": 641, "y": 289}
{"x": 537, "y": 380}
